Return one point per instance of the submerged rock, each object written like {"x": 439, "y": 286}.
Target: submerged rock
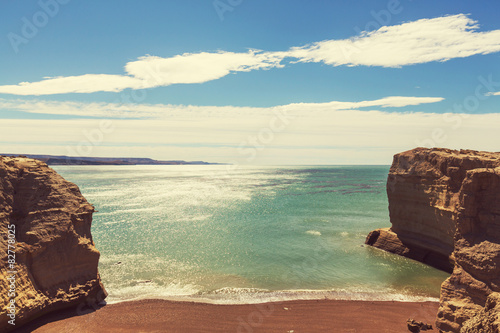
{"x": 46, "y": 221}
{"x": 444, "y": 208}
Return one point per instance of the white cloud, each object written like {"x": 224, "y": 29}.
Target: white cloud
{"x": 168, "y": 111}
{"x": 422, "y": 41}
{"x": 152, "y": 71}
{"x": 493, "y": 93}
{"x": 346, "y": 136}
{"x": 391, "y": 101}
{"x": 307, "y": 133}
{"x": 87, "y": 83}
{"x": 199, "y": 67}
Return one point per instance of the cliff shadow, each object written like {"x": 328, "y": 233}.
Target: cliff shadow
{"x": 57, "y": 316}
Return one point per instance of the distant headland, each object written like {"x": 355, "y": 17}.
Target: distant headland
{"x": 72, "y": 160}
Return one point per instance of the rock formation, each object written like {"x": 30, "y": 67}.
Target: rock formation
{"x": 55, "y": 257}
{"x": 417, "y": 326}
{"x": 486, "y": 320}
{"x": 444, "y": 208}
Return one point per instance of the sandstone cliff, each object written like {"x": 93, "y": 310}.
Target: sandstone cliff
{"x": 486, "y": 320}
{"x": 444, "y": 208}
{"x": 55, "y": 257}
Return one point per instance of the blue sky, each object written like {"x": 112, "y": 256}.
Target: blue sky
{"x": 249, "y": 82}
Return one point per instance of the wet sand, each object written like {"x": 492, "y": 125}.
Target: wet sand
{"x": 289, "y": 316}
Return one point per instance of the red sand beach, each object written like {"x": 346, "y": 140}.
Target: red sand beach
{"x": 289, "y": 316}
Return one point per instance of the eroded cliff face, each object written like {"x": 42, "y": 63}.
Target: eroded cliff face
{"x": 486, "y": 320}
{"x": 55, "y": 257}
{"x": 445, "y": 211}
{"x": 477, "y": 250}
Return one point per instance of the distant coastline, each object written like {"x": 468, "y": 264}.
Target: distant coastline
{"x": 71, "y": 160}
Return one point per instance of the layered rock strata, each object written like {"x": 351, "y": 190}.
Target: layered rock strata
{"x": 477, "y": 250}
{"x": 486, "y": 320}
{"x": 46, "y": 221}
{"x": 444, "y": 208}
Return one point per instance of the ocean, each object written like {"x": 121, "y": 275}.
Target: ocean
{"x": 246, "y": 235}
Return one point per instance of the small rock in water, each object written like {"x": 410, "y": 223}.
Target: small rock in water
{"x": 417, "y": 326}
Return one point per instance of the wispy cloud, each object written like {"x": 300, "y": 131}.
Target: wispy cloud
{"x": 87, "y": 83}
{"x": 157, "y": 111}
{"x": 493, "y": 93}
{"x": 198, "y": 67}
{"x": 334, "y": 132}
{"x": 344, "y": 136}
{"x": 417, "y": 42}
{"x": 151, "y": 71}
{"x": 422, "y": 41}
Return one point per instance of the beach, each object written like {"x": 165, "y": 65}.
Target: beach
{"x": 270, "y": 249}
{"x": 290, "y": 316}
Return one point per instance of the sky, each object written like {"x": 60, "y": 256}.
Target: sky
{"x": 279, "y": 82}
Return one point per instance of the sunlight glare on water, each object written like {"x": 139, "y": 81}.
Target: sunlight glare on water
{"x": 256, "y": 233}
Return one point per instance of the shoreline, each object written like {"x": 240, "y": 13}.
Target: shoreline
{"x": 157, "y": 315}
{"x": 250, "y": 298}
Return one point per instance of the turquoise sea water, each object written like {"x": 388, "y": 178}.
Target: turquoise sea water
{"x": 247, "y": 235}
